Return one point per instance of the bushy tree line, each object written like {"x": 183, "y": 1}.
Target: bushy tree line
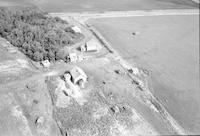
{"x": 37, "y": 35}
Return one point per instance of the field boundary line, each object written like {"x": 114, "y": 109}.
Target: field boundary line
{"x": 196, "y": 1}
{"x": 108, "y": 14}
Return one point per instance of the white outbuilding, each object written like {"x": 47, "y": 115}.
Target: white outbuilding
{"x": 76, "y": 29}
{"x": 11, "y": 49}
{"x": 73, "y": 57}
{"x": 45, "y": 63}
{"x": 78, "y": 74}
{"x": 91, "y": 46}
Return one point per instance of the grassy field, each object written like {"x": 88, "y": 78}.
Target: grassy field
{"x": 13, "y": 65}
{"x": 101, "y": 5}
{"x": 168, "y": 46}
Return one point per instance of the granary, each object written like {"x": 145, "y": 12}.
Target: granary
{"x": 45, "y": 63}
{"x": 76, "y": 29}
{"x": 91, "y": 45}
{"x": 78, "y": 76}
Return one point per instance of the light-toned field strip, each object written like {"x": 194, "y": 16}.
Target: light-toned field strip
{"x": 108, "y": 14}
{"x": 196, "y": 1}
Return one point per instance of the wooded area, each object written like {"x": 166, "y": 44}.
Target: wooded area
{"x": 37, "y": 35}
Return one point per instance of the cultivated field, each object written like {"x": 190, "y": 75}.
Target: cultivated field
{"x": 101, "y": 5}
{"x": 107, "y": 5}
{"x": 5, "y": 3}
{"x": 167, "y": 46}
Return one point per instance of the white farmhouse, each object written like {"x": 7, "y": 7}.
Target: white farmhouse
{"x": 78, "y": 76}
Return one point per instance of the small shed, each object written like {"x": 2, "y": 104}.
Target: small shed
{"x": 5, "y": 44}
{"x": 73, "y": 57}
{"x": 78, "y": 75}
{"x": 91, "y": 45}
{"x": 45, "y": 63}
{"x": 39, "y": 120}
{"x": 76, "y": 29}
{"x": 12, "y": 50}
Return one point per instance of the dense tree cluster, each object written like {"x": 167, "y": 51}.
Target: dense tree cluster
{"x": 37, "y": 35}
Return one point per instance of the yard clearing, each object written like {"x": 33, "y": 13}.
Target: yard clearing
{"x": 111, "y": 104}
{"x": 168, "y": 47}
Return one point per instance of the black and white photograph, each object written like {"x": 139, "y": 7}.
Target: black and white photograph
{"x": 99, "y": 68}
